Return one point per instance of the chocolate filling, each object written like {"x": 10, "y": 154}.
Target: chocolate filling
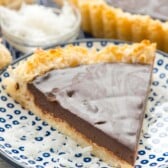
{"x": 105, "y": 102}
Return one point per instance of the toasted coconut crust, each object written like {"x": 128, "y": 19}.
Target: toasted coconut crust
{"x": 5, "y": 56}
{"x": 44, "y": 60}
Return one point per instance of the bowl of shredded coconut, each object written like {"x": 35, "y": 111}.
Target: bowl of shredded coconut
{"x": 36, "y": 26}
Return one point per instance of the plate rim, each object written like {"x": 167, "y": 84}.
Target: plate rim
{"x": 4, "y": 155}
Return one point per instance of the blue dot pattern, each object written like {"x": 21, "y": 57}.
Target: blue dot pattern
{"x": 17, "y": 112}
{"x": 2, "y": 120}
{"x": 160, "y": 62}
{"x": 3, "y": 98}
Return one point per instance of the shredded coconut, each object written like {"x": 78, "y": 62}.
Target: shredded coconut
{"x": 36, "y": 23}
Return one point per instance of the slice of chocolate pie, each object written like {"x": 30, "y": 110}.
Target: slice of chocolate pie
{"x": 96, "y": 97}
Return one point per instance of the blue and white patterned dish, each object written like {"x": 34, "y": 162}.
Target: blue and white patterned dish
{"x": 29, "y": 142}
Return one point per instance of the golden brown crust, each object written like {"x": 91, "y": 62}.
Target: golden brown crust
{"x": 5, "y": 56}
{"x": 104, "y": 21}
{"x": 14, "y": 4}
{"x": 42, "y": 61}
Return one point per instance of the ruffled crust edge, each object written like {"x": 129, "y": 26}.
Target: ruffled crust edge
{"x": 105, "y": 21}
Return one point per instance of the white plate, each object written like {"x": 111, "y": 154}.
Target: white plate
{"x": 27, "y": 141}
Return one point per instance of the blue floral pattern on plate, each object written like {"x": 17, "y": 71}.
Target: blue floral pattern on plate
{"x": 30, "y": 142}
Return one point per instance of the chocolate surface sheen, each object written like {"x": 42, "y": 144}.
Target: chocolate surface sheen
{"x": 105, "y": 102}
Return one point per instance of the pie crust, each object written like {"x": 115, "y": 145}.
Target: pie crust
{"x": 104, "y": 21}
{"x": 5, "y": 56}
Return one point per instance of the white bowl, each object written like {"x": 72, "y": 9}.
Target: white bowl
{"x": 30, "y": 45}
